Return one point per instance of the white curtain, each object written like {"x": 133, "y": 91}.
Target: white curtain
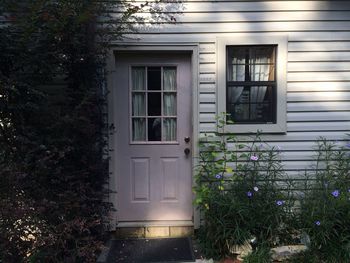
{"x": 169, "y": 104}
{"x": 169, "y": 79}
{"x": 138, "y": 104}
{"x": 139, "y": 129}
{"x": 236, "y": 74}
{"x": 169, "y": 129}
{"x": 259, "y": 71}
{"x": 138, "y": 78}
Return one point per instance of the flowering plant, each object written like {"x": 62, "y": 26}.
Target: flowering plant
{"x": 238, "y": 190}
{"x": 325, "y": 204}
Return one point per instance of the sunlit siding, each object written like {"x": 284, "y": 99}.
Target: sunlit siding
{"x": 318, "y": 89}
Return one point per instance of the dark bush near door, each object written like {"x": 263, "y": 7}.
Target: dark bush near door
{"x": 53, "y": 161}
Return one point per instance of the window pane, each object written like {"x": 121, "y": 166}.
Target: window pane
{"x": 154, "y": 104}
{"x": 169, "y": 78}
{"x": 169, "y": 129}
{"x": 154, "y": 129}
{"x": 249, "y": 63}
{"x": 169, "y": 104}
{"x": 138, "y": 129}
{"x": 138, "y": 104}
{"x": 154, "y": 78}
{"x": 236, "y": 63}
{"x": 262, "y": 64}
{"x": 138, "y": 78}
{"x": 250, "y": 104}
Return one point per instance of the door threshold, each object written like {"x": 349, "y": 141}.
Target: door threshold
{"x": 153, "y": 223}
{"x": 154, "y": 229}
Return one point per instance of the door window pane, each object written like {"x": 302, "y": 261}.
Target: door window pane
{"x": 138, "y": 78}
{"x": 169, "y": 104}
{"x": 169, "y": 129}
{"x": 154, "y": 104}
{"x": 169, "y": 78}
{"x": 138, "y": 104}
{"x": 154, "y": 129}
{"x": 154, "y": 78}
{"x": 138, "y": 129}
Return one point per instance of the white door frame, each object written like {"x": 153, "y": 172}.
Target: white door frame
{"x": 111, "y": 68}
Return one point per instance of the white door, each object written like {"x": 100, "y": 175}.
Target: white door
{"x": 153, "y": 144}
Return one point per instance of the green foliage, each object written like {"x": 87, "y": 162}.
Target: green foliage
{"x": 325, "y": 206}
{"x": 53, "y": 154}
{"x": 238, "y": 190}
{"x": 261, "y": 255}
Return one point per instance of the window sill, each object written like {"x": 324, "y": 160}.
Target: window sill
{"x": 254, "y": 128}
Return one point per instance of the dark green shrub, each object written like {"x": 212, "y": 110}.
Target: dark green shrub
{"x": 53, "y": 154}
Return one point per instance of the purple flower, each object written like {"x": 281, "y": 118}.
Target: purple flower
{"x": 254, "y": 158}
{"x": 218, "y": 176}
{"x": 317, "y": 223}
{"x": 335, "y": 193}
{"x": 349, "y": 190}
{"x": 279, "y": 202}
{"x": 249, "y": 194}
{"x": 256, "y": 188}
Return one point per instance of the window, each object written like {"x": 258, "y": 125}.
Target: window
{"x": 252, "y": 83}
{"x": 153, "y": 104}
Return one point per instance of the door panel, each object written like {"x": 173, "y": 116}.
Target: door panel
{"x": 152, "y": 117}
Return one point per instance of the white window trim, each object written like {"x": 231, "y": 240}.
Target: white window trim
{"x": 281, "y": 80}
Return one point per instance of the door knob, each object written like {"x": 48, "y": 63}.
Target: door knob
{"x": 187, "y": 151}
{"x": 187, "y": 139}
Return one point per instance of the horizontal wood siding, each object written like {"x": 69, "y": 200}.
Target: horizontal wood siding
{"x": 318, "y": 87}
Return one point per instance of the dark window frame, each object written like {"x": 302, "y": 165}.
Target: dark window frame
{"x": 248, "y": 84}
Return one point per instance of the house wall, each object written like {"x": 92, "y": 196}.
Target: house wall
{"x": 318, "y": 77}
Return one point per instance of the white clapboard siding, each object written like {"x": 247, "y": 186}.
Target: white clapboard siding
{"x": 323, "y": 35}
{"x": 312, "y": 56}
{"x": 319, "y": 46}
{"x": 342, "y": 126}
{"x": 267, "y": 6}
{"x": 297, "y": 116}
{"x": 250, "y": 27}
{"x": 318, "y": 96}
{"x": 319, "y": 76}
{"x": 323, "y": 106}
{"x": 318, "y": 86}
{"x": 319, "y": 126}
{"x": 237, "y": 16}
{"x": 318, "y": 68}
{"x": 319, "y": 116}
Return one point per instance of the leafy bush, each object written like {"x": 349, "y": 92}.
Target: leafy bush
{"x": 325, "y": 205}
{"x": 238, "y": 192}
{"x": 53, "y": 154}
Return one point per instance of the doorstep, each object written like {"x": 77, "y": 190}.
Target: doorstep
{"x": 153, "y": 232}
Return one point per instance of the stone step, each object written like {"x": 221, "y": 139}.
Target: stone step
{"x": 154, "y": 231}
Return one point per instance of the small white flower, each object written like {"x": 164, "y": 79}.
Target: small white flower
{"x": 256, "y": 188}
